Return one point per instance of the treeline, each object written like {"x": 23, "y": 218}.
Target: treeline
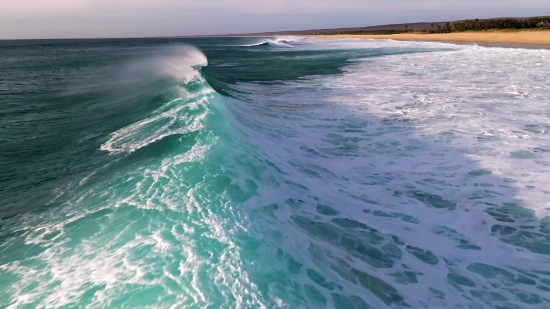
{"x": 465, "y": 25}
{"x": 493, "y": 24}
{"x": 371, "y": 32}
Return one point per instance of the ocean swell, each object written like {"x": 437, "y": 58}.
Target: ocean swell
{"x": 395, "y": 183}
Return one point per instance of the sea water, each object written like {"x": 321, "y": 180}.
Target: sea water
{"x": 273, "y": 173}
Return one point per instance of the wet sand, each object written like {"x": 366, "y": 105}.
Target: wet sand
{"x": 516, "y": 37}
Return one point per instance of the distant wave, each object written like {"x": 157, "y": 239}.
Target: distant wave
{"x": 279, "y": 42}
{"x": 269, "y": 43}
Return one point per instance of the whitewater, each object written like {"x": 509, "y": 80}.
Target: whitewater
{"x": 274, "y": 173}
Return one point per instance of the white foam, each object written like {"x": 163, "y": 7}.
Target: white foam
{"x": 274, "y": 43}
{"x": 423, "y": 122}
{"x": 160, "y": 125}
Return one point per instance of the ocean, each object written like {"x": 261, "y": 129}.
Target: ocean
{"x": 273, "y": 173}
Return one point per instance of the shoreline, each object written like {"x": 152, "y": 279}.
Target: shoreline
{"x": 536, "y": 39}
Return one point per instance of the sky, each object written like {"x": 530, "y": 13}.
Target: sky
{"x": 26, "y": 19}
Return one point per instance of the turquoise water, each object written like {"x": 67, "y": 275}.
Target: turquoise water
{"x": 273, "y": 173}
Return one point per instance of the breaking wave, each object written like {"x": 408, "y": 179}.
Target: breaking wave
{"x": 406, "y": 180}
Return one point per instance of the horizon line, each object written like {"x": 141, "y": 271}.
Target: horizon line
{"x": 265, "y": 33}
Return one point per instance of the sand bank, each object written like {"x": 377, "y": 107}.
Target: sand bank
{"x": 523, "y": 37}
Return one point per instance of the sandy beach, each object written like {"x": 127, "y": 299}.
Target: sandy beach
{"x": 523, "y": 37}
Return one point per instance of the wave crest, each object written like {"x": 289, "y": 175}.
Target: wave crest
{"x": 281, "y": 43}
{"x": 180, "y": 115}
{"x": 178, "y": 62}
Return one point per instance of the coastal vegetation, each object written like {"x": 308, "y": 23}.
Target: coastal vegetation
{"x": 494, "y": 24}
{"x": 501, "y": 24}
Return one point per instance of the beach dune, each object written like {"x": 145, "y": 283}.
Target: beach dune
{"x": 516, "y": 37}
